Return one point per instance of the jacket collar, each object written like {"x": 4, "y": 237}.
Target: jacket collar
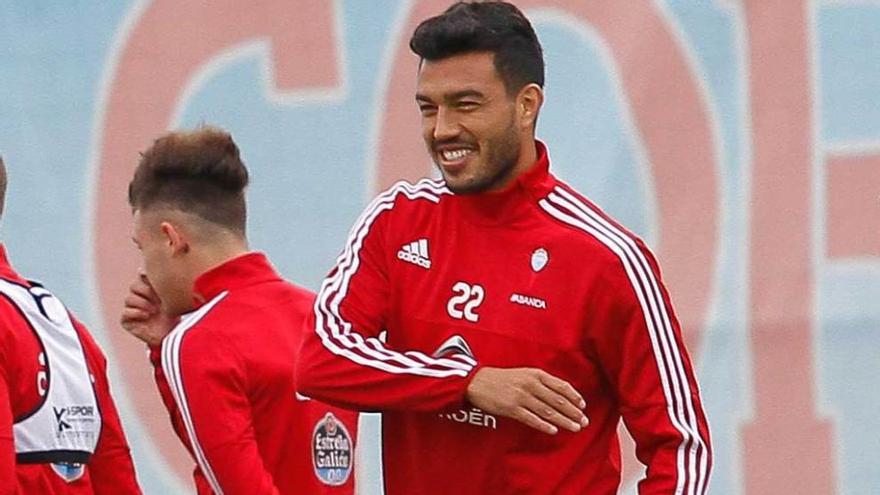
{"x": 242, "y": 271}
{"x": 504, "y": 206}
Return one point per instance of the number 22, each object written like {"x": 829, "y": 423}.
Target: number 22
{"x": 466, "y": 298}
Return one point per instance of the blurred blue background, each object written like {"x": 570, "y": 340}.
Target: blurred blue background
{"x": 316, "y": 157}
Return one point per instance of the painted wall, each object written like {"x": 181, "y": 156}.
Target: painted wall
{"x": 741, "y": 138}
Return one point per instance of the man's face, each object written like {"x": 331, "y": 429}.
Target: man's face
{"x": 469, "y": 122}
{"x": 159, "y": 263}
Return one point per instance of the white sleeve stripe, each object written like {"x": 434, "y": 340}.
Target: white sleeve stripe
{"x": 464, "y": 357}
{"x": 354, "y": 340}
{"x": 171, "y": 368}
{"x": 445, "y": 361}
{"x": 569, "y": 209}
{"x": 336, "y": 333}
{"x": 373, "y": 348}
{"x": 673, "y": 413}
{"x": 343, "y": 269}
{"x": 698, "y": 450}
{"x": 170, "y": 364}
{"x": 410, "y": 191}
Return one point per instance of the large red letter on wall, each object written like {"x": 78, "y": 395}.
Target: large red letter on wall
{"x": 788, "y": 449}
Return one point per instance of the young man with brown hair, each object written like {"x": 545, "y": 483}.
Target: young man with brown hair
{"x": 506, "y": 297}
{"x": 60, "y": 433}
{"x": 224, "y": 329}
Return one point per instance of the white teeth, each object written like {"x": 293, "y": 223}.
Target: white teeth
{"x": 453, "y": 155}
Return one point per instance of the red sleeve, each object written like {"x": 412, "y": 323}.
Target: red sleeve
{"x": 343, "y": 362}
{"x": 640, "y": 346}
{"x": 110, "y": 467}
{"x": 8, "y": 483}
{"x": 155, "y": 354}
{"x": 167, "y": 397}
{"x": 209, "y": 386}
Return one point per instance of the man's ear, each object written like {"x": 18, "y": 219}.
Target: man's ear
{"x": 175, "y": 238}
{"x": 528, "y": 104}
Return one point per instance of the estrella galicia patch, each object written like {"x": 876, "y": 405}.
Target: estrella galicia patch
{"x": 332, "y": 452}
{"x": 69, "y": 471}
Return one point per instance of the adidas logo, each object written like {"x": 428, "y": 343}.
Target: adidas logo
{"x": 416, "y": 252}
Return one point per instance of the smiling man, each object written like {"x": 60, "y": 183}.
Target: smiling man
{"x": 505, "y": 298}
{"x": 475, "y": 141}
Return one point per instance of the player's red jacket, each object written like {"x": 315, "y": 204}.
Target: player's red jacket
{"x": 226, "y": 375}
{"x": 110, "y": 469}
{"x": 532, "y": 276}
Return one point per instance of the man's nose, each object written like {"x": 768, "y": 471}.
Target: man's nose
{"x": 445, "y": 125}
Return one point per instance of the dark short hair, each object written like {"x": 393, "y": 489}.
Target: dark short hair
{"x": 497, "y": 27}
{"x": 198, "y": 172}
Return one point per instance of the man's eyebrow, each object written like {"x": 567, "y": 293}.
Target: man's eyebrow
{"x": 465, "y": 93}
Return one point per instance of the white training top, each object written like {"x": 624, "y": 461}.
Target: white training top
{"x": 66, "y": 426}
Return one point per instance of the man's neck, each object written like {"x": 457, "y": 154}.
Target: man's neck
{"x": 215, "y": 255}
{"x": 209, "y": 257}
{"x": 528, "y": 155}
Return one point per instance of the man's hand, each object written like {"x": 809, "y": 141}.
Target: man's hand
{"x": 142, "y": 315}
{"x": 530, "y": 396}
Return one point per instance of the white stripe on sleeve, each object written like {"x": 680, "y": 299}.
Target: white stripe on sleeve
{"x": 336, "y": 333}
{"x": 692, "y": 452}
{"x": 171, "y": 366}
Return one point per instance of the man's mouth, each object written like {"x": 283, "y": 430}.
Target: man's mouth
{"x": 454, "y": 158}
{"x": 454, "y": 155}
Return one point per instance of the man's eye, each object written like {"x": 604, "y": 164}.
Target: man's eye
{"x": 427, "y": 109}
{"x": 467, "y": 105}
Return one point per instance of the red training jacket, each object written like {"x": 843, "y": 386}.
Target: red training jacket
{"x": 531, "y": 276}
{"x": 226, "y": 375}
{"x": 110, "y": 470}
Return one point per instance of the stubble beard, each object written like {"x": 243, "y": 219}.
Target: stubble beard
{"x": 499, "y": 156}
